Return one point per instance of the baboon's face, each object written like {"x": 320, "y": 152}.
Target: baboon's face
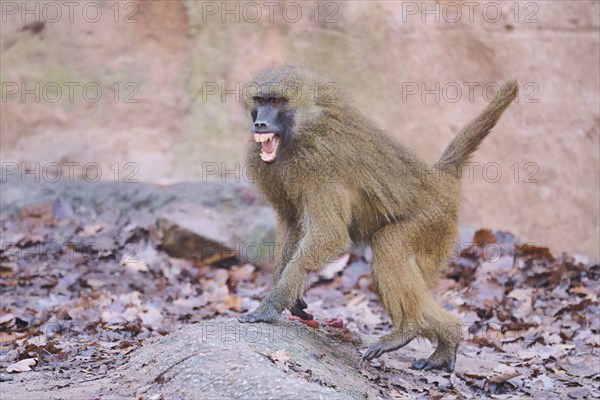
{"x": 272, "y": 119}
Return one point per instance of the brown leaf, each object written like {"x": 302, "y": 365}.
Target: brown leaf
{"x": 312, "y": 323}
{"x": 240, "y": 274}
{"x": 6, "y": 340}
{"x": 7, "y": 270}
{"x": 483, "y": 237}
{"x": 231, "y": 302}
{"x": 38, "y": 213}
{"x": 334, "y": 322}
{"x": 587, "y": 292}
{"x": 582, "y": 305}
{"x": 529, "y": 252}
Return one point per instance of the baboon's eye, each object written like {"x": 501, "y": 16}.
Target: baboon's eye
{"x": 260, "y": 101}
{"x": 275, "y": 102}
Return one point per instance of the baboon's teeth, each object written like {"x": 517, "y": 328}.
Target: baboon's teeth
{"x": 267, "y": 157}
{"x": 263, "y": 137}
{"x": 270, "y": 149}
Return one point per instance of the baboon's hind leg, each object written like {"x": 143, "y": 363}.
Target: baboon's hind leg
{"x": 440, "y": 325}
{"x": 405, "y": 295}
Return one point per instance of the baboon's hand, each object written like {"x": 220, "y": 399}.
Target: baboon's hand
{"x": 298, "y": 310}
{"x": 264, "y": 313}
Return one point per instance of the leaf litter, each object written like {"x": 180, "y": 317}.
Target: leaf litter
{"x": 81, "y": 291}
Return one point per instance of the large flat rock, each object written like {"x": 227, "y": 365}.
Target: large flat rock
{"x": 220, "y": 359}
{"x": 199, "y": 221}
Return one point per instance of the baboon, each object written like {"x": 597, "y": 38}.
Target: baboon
{"x": 334, "y": 178}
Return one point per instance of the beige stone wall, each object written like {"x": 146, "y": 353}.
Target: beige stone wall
{"x": 169, "y": 55}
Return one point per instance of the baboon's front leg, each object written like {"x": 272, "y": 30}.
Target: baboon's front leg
{"x": 325, "y": 236}
{"x": 287, "y": 238}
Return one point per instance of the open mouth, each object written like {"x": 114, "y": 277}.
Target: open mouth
{"x": 269, "y": 143}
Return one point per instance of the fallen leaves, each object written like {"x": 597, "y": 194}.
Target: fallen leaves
{"x": 528, "y": 252}
{"x": 280, "y": 357}
{"x": 81, "y": 291}
{"x": 283, "y": 359}
{"x": 334, "y": 323}
{"x": 22, "y": 366}
{"x": 335, "y": 267}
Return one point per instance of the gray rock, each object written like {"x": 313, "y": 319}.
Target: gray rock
{"x": 220, "y": 359}
{"x": 226, "y": 359}
{"x": 199, "y": 221}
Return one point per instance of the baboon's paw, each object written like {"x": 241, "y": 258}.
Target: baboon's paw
{"x": 391, "y": 342}
{"x": 298, "y": 310}
{"x": 374, "y": 351}
{"x": 302, "y": 314}
{"x": 445, "y": 362}
{"x": 261, "y": 314}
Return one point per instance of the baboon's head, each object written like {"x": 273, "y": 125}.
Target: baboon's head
{"x": 283, "y": 101}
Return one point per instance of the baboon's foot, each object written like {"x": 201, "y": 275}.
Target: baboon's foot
{"x": 390, "y": 342}
{"x": 298, "y": 310}
{"x": 444, "y": 357}
{"x": 264, "y": 313}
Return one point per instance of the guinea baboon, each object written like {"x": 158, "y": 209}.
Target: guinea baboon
{"x": 334, "y": 178}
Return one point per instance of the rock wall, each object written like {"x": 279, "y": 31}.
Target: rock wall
{"x": 147, "y": 91}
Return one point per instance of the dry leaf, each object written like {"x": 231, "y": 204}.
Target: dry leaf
{"x": 484, "y": 237}
{"x": 529, "y": 252}
{"x": 240, "y": 274}
{"x": 134, "y": 265}
{"x": 92, "y": 229}
{"x": 7, "y": 320}
{"x": 333, "y": 268}
{"x": 22, "y": 366}
{"x": 281, "y": 356}
{"x": 151, "y": 316}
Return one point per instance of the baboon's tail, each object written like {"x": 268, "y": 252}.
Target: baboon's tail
{"x": 469, "y": 138}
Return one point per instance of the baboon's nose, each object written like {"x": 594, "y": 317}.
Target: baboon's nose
{"x": 260, "y": 125}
